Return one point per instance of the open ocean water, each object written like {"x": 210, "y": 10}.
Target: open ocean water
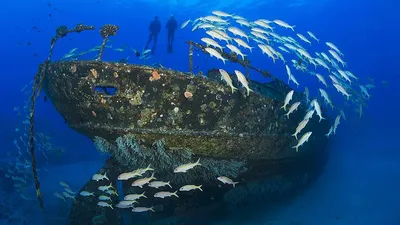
{"x": 360, "y": 183}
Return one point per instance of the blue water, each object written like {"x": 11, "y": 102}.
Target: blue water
{"x": 361, "y": 182}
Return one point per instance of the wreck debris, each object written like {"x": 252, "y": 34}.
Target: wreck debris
{"x": 233, "y": 58}
{"x": 190, "y": 57}
{"x": 61, "y": 32}
{"x": 106, "y": 31}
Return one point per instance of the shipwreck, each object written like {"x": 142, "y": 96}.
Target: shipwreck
{"x": 141, "y": 115}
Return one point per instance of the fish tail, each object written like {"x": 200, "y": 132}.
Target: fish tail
{"x": 111, "y": 207}
{"x": 283, "y": 107}
{"x": 168, "y": 183}
{"x": 292, "y": 27}
{"x": 199, "y": 187}
{"x": 105, "y": 176}
{"x": 151, "y": 209}
{"x": 234, "y": 184}
{"x": 294, "y": 135}
{"x": 198, "y": 162}
{"x": 144, "y": 196}
{"x": 152, "y": 176}
{"x": 287, "y": 115}
{"x": 176, "y": 195}
{"x": 233, "y": 89}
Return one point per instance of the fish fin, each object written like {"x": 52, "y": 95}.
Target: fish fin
{"x": 105, "y": 176}
{"x": 233, "y": 89}
{"x": 198, "y": 162}
{"x": 199, "y": 187}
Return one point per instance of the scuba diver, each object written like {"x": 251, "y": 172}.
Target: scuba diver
{"x": 154, "y": 28}
{"x": 171, "y": 26}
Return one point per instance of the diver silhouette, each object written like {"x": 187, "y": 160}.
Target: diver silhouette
{"x": 154, "y": 28}
{"x": 171, "y": 26}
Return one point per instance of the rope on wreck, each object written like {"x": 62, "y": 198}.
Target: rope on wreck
{"x": 37, "y": 86}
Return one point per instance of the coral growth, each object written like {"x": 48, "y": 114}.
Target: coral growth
{"x": 132, "y": 154}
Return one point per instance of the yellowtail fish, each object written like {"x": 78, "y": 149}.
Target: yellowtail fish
{"x": 142, "y": 209}
{"x": 300, "y": 127}
{"x": 337, "y": 57}
{"x": 125, "y": 205}
{"x": 105, "y": 188}
{"x": 58, "y": 195}
{"x": 68, "y": 190}
{"x": 309, "y": 115}
{"x": 98, "y": 177}
{"x": 111, "y": 192}
{"x": 243, "y": 22}
{"x": 337, "y": 122}
{"x": 307, "y": 94}
{"x": 317, "y": 108}
{"x": 312, "y": 36}
{"x": 133, "y": 197}
{"x": 164, "y": 194}
{"x": 267, "y": 51}
{"x": 184, "y": 24}
{"x": 329, "y": 132}
{"x": 225, "y": 76}
{"x": 158, "y": 184}
{"x": 104, "y": 204}
{"x": 332, "y": 46}
{"x": 227, "y": 180}
{"x": 240, "y": 42}
{"x": 325, "y": 95}
{"x": 321, "y": 79}
{"x": 284, "y": 24}
{"x": 302, "y": 140}
{"x": 86, "y": 193}
{"x": 68, "y": 195}
{"x": 185, "y": 167}
{"x": 143, "y": 181}
{"x": 214, "y": 53}
{"x": 129, "y": 175}
{"x": 292, "y": 108}
{"x": 303, "y": 38}
{"x": 235, "y": 50}
{"x": 141, "y": 171}
{"x": 211, "y": 42}
{"x": 190, "y": 187}
{"x": 238, "y": 32}
{"x": 214, "y": 19}
{"x": 242, "y": 79}
{"x": 288, "y": 97}
{"x": 104, "y": 198}
{"x": 62, "y": 183}
{"x": 221, "y": 14}
{"x": 341, "y": 89}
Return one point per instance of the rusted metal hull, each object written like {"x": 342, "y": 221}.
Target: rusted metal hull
{"x": 213, "y": 122}
{"x": 156, "y": 116}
